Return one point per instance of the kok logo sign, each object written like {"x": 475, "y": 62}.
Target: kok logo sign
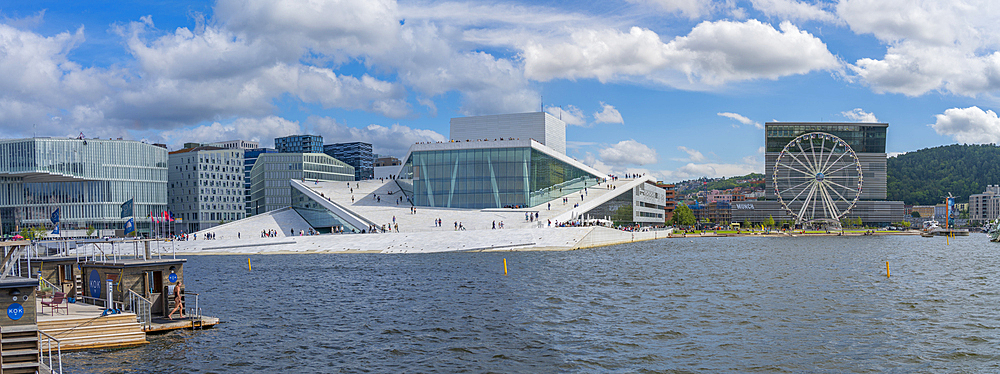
{"x": 94, "y": 281}
{"x": 15, "y": 311}
{"x": 172, "y": 278}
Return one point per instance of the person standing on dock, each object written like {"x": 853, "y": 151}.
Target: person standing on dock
{"x": 178, "y": 301}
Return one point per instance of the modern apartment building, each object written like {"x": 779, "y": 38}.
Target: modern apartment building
{"x": 206, "y": 187}
{"x": 299, "y": 144}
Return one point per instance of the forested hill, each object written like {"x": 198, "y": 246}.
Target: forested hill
{"x": 926, "y": 176}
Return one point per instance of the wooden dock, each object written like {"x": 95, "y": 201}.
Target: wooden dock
{"x": 85, "y": 327}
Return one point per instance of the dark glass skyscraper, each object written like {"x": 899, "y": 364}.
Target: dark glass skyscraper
{"x": 357, "y": 154}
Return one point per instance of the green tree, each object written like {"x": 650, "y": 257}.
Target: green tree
{"x": 683, "y": 216}
{"x": 90, "y": 230}
{"x": 915, "y": 214}
{"x": 623, "y": 214}
{"x": 747, "y": 225}
{"x": 769, "y": 222}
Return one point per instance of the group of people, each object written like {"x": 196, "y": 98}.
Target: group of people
{"x": 268, "y": 233}
{"x": 495, "y": 225}
{"x": 390, "y": 227}
{"x": 528, "y": 217}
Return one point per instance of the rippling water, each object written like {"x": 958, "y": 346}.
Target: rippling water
{"x": 676, "y": 305}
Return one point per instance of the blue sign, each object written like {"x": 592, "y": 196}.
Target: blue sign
{"x": 95, "y": 284}
{"x": 55, "y": 217}
{"x": 172, "y": 278}
{"x": 15, "y": 311}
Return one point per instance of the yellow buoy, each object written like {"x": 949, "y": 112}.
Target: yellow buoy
{"x": 887, "y": 269}
{"x": 505, "y": 266}
{"x": 249, "y": 267}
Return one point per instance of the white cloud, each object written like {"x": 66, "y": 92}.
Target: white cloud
{"x": 262, "y": 130}
{"x": 741, "y": 119}
{"x": 570, "y": 114}
{"x": 712, "y": 53}
{"x": 969, "y": 125}
{"x": 608, "y": 114}
{"x": 333, "y": 28}
{"x": 947, "y": 46}
{"x": 628, "y": 152}
{"x": 692, "y": 9}
{"x": 693, "y": 155}
{"x": 794, "y": 10}
{"x": 858, "y": 115}
{"x": 392, "y": 140}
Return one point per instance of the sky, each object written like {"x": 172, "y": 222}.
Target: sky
{"x": 679, "y": 89}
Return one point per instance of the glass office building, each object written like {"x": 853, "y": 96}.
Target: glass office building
{"x": 491, "y": 174}
{"x": 269, "y": 188}
{"x": 86, "y": 179}
{"x": 868, "y": 141}
{"x": 357, "y": 154}
{"x": 299, "y": 144}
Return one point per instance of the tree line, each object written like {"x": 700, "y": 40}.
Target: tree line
{"x": 926, "y": 176}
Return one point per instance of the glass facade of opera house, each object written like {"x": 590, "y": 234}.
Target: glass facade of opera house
{"x": 87, "y": 180}
{"x": 488, "y": 174}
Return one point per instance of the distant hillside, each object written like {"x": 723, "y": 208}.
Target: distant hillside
{"x": 924, "y": 177}
{"x": 706, "y": 184}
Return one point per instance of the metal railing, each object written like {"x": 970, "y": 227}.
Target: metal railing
{"x": 12, "y": 266}
{"x": 142, "y": 308}
{"x": 42, "y": 283}
{"x": 46, "y": 354}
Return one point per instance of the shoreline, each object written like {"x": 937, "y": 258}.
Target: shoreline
{"x": 515, "y": 240}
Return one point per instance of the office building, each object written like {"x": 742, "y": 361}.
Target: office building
{"x": 868, "y": 143}
{"x": 86, "y": 179}
{"x": 249, "y": 158}
{"x": 299, "y": 144}
{"x": 235, "y": 144}
{"x": 269, "y": 187}
{"x": 357, "y": 154}
{"x": 205, "y": 187}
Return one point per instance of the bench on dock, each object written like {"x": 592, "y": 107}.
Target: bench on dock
{"x": 58, "y": 302}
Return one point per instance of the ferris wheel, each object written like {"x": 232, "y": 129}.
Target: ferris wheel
{"x": 817, "y": 178}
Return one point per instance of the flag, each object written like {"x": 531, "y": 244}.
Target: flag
{"x": 170, "y": 216}
{"x": 129, "y": 226}
{"x": 165, "y": 216}
{"x": 127, "y": 209}
{"x": 55, "y": 216}
{"x": 56, "y": 231}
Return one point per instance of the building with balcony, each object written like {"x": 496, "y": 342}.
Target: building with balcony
{"x": 299, "y": 144}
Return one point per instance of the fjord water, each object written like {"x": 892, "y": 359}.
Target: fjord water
{"x": 676, "y": 305}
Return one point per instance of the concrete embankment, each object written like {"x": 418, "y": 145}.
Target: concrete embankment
{"x": 562, "y": 238}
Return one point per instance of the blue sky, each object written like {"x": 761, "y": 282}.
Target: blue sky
{"x": 676, "y": 88}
